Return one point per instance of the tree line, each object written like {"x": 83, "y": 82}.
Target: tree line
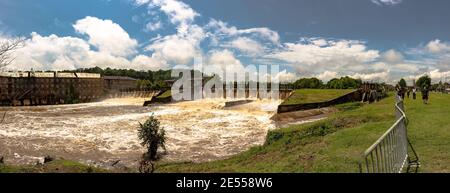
{"x": 151, "y": 80}
{"x": 335, "y": 83}
{"x": 425, "y": 81}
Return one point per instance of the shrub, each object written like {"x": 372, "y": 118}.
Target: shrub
{"x": 152, "y": 137}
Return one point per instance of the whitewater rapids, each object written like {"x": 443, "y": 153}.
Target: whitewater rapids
{"x": 101, "y": 133}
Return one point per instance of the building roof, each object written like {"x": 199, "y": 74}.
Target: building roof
{"x": 118, "y": 78}
{"x": 50, "y": 74}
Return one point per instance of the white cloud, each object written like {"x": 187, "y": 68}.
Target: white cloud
{"x": 225, "y": 59}
{"x": 107, "y": 36}
{"x": 392, "y": 56}
{"x": 378, "y": 76}
{"x": 221, "y": 28}
{"x": 179, "y": 48}
{"x": 327, "y": 75}
{"x": 387, "y": 2}
{"x": 68, "y": 53}
{"x": 437, "y": 75}
{"x": 153, "y": 26}
{"x": 285, "y": 76}
{"x": 334, "y": 55}
{"x": 436, "y": 46}
{"x": 142, "y": 62}
{"x": 247, "y": 45}
{"x": 177, "y": 11}
{"x": 405, "y": 67}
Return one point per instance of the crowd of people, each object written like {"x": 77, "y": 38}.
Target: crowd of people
{"x": 372, "y": 92}
{"x": 425, "y": 91}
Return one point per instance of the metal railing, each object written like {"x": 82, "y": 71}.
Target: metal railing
{"x": 389, "y": 154}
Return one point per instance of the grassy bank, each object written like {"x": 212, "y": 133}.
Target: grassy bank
{"x": 303, "y": 96}
{"x": 56, "y": 166}
{"x": 166, "y": 94}
{"x": 336, "y": 144}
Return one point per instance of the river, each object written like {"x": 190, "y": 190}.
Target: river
{"x": 102, "y": 133}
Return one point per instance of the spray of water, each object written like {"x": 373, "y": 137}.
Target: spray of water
{"x": 101, "y": 132}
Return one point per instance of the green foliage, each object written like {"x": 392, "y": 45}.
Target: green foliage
{"x": 56, "y": 166}
{"x": 308, "y": 83}
{"x": 423, "y": 81}
{"x": 349, "y": 106}
{"x": 152, "y": 76}
{"x": 167, "y": 93}
{"x": 302, "y": 96}
{"x": 336, "y": 83}
{"x": 152, "y": 137}
{"x": 402, "y": 83}
{"x": 147, "y": 84}
{"x": 344, "y": 83}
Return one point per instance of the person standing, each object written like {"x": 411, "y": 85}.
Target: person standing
{"x": 398, "y": 89}
{"x": 408, "y": 92}
{"x": 402, "y": 91}
{"x": 425, "y": 93}
{"x": 414, "y": 90}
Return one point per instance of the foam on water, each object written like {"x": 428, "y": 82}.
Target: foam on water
{"x": 196, "y": 130}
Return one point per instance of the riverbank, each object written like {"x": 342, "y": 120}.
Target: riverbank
{"x": 336, "y": 143}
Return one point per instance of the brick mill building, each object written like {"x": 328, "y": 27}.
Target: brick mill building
{"x": 43, "y": 88}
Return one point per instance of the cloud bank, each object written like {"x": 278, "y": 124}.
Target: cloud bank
{"x": 104, "y": 43}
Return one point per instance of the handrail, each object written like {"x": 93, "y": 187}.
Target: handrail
{"x": 378, "y": 141}
{"x": 389, "y": 153}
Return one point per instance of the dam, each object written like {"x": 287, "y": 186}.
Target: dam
{"x": 100, "y": 133}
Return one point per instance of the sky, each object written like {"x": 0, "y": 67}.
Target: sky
{"x": 375, "y": 40}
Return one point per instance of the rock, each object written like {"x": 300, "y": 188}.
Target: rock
{"x": 48, "y": 159}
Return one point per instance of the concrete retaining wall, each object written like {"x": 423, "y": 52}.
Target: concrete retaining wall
{"x": 238, "y": 102}
{"x": 350, "y": 97}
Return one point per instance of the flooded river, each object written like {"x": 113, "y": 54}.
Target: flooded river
{"x": 101, "y": 133}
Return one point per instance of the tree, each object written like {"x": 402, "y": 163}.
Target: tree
{"x": 423, "y": 81}
{"x": 402, "y": 83}
{"x": 308, "y": 83}
{"x": 152, "y": 137}
{"x": 6, "y": 49}
{"x": 344, "y": 83}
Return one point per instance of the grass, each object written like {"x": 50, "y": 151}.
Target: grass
{"x": 56, "y": 166}
{"x": 166, "y": 94}
{"x": 336, "y": 143}
{"x": 302, "y": 96}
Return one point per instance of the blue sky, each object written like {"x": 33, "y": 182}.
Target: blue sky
{"x": 376, "y": 40}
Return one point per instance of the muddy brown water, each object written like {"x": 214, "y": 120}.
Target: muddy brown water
{"x": 101, "y": 133}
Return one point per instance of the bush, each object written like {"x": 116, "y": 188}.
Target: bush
{"x": 423, "y": 81}
{"x": 152, "y": 137}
